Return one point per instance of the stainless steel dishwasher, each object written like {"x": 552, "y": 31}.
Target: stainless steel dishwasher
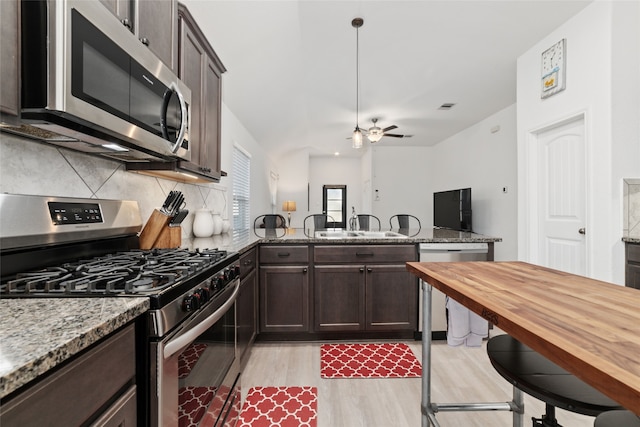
{"x": 446, "y": 252}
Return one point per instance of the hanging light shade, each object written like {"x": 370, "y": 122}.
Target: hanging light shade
{"x": 357, "y": 133}
{"x": 357, "y": 138}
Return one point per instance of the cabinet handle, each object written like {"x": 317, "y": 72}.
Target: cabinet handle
{"x": 145, "y": 41}
{"x": 248, "y": 262}
{"x": 283, "y": 254}
{"x": 361, "y": 269}
{"x": 304, "y": 270}
{"x": 126, "y": 22}
{"x": 364, "y": 254}
{"x": 369, "y": 270}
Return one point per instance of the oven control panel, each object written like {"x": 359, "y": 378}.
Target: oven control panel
{"x": 63, "y": 213}
{"x": 206, "y": 290}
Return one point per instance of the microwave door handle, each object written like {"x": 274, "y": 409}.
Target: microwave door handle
{"x": 182, "y": 341}
{"x": 173, "y": 88}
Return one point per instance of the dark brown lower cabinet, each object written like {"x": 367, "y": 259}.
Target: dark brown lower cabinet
{"x": 284, "y": 298}
{"x": 96, "y": 388}
{"x": 632, "y": 272}
{"x": 246, "y": 310}
{"x": 339, "y": 303}
{"x": 378, "y": 295}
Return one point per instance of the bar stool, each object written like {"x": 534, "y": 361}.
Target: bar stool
{"x": 539, "y": 377}
{"x": 617, "y": 419}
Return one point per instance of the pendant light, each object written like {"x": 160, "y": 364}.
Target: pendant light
{"x": 357, "y": 133}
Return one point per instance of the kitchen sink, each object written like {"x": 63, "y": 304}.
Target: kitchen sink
{"x": 345, "y": 234}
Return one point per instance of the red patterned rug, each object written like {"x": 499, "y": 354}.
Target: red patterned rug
{"x": 387, "y": 360}
{"x": 188, "y": 359}
{"x": 280, "y": 406}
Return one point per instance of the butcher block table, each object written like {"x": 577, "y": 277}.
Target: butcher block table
{"x": 588, "y": 327}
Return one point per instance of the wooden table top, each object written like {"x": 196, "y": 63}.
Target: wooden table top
{"x": 589, "y": 327}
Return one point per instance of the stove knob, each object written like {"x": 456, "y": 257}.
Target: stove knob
{"x": 216, "y": 283}
{"x": 190, "y": 303}
{"x": 202, "y": 294}
{"x": 236, "y": 270}
{"x": 232, "y": 273}
{"x": 227, "y": 274}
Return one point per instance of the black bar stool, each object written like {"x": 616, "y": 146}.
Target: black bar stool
{"x": 539, "y": 377}
{"x": 617, "y": 419}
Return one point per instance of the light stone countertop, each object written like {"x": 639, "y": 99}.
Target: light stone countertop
{"x": 38, "y": 334}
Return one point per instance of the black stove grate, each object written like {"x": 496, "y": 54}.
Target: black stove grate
{"x": 134, "y": 272}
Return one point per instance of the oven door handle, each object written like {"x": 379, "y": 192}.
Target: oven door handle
{"x": 182, "y": 341}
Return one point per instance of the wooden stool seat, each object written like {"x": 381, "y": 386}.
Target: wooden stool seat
{"x": 539, "y": 377}
{"x": 617, "y": 419}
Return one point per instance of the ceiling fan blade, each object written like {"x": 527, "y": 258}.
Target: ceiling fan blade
{"x": 392, "y": 127}
{"x": 394, "y": 135}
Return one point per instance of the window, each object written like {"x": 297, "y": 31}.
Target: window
{"x": 241, "y": 192}
{"x": 334, "y": 204}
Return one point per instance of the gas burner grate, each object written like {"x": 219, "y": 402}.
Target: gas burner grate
{"x": 130, "y": 272}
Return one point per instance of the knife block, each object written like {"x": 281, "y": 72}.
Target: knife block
{"x": 170, "y": 237}
{"x": 157, "y": 233}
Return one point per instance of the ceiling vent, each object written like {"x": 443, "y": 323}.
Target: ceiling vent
{"x": 446, "y": 106}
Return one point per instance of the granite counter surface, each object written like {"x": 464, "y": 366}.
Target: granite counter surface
{"x": 299, "y": 236}
{"x": 633, "y": 240}
{"x": 38, "y": 334}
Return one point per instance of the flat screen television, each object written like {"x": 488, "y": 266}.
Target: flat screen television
{"x": 452, "y": 209}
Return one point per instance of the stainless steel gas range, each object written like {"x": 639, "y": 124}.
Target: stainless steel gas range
{"x": 53, "y": 247}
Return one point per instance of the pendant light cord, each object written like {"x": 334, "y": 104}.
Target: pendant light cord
{"x": 357, "y": 76}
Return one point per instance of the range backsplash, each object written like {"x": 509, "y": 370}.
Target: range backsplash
{"x": 632, "y": 207}
{"x": 29, "y": 167}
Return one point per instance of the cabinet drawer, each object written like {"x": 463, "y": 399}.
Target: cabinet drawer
{"x": 247, "y": 263}
{"x": 281, "y": 254}
{"x": 72, "y": 395}
{"x": 366, "y": 254}
{"x": 633, "y": 252}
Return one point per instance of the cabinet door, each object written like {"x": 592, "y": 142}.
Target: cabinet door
{"x": 246, "y": 314}
{"x": 122, "y": 10}
{"x": 211, "y": 116}
{"x": 284, "y": 299}
{"x": 391, "y": 298}
{"x": 157, "y": 22}
{"x": 192, "y": 60}
{"x": 339, "y": 298}
{"x": 10, "y": 54}
{"x": 632, "y": 271}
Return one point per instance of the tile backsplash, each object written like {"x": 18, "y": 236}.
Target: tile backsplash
{"x": 29, "y": 167}
{"x": 631, "y": 208}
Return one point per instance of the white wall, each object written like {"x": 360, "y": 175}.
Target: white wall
{"x": 293, "y": 184}
{"x": 234, "y": 133}
{"x": 486, "y": 162}
{"x": 401, "y": 177}
{"x": 603, "y": 84}
{"x": 335, "y": 171}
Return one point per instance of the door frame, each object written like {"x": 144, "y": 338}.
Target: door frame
{"x": 529, "y": 201}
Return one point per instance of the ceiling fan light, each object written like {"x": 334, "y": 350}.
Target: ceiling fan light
{"x": 375, "y": 134}
{"x": 357, "y": 138}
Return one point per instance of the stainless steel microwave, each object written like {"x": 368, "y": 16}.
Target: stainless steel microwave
{"x": 86, "y": 77}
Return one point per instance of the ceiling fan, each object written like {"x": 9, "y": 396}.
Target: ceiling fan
{"x": 375, "y": 133}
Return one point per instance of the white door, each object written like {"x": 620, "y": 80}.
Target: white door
{"x": 562, "y": 197}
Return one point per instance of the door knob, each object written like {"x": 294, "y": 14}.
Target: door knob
{"x": 582, "y": 231}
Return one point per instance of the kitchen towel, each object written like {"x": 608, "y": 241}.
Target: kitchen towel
{"x": 371, "y": 360}
{"x": 280, "y": 407}
{"x": 464, "y": 326}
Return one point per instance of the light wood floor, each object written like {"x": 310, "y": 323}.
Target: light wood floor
{"x": 458, "y": 375}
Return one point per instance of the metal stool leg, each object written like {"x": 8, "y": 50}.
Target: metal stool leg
{"x": 548, "y": 419}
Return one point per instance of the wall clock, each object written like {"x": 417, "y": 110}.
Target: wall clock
{"x": 553, "y": 69}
